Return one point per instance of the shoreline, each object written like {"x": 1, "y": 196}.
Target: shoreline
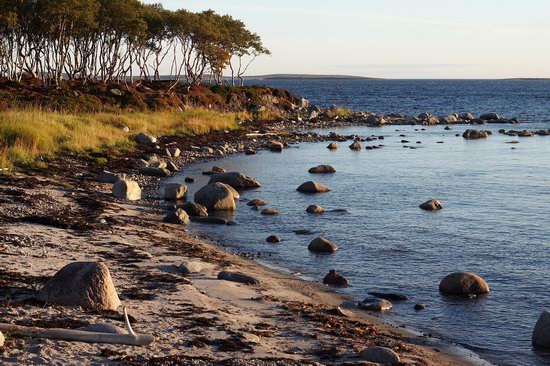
{"x": 115, "y": 219}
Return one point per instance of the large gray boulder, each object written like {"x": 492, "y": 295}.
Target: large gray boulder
{"x": 541, "y": 333}
{"x": 312, "y": 187}
{"x": 86, "y": 284}
{"x": 146, "y": 139}
{"x": 322, "y": 245}
{"x": 216, "y": 197}
{"x": 175, "y": 191}
{"x": 381, "y": 355}
{"x": 126, "y": 190}
{"x": 236, "y": 180}
{"x": 463, "y": 283}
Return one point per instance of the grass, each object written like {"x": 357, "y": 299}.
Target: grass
{"x": 338, "y": 112}
{"x": 27, "y": 135}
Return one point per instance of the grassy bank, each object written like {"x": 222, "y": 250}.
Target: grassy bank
{"x": 27, "y": 135}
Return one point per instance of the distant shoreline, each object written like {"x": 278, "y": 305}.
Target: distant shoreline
{"x": 308, "y": 77}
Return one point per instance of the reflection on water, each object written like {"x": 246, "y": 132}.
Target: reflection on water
{"x": 494, "y": 222}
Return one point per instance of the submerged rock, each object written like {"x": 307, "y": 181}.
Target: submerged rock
{"x": 333, "y": 278}
{"x": 389, "y": 296}
{"x": 256, "y": 202}
{"x": 86, "y": 284}
{"x": 463, "y": 283}
{"x": 273, "y": 239}
{"x": 269, "y": 212}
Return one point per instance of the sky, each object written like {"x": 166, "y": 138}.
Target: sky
{"x": 432, "y": 39}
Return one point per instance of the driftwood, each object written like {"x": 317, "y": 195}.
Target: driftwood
{"x": 131, "y": 338}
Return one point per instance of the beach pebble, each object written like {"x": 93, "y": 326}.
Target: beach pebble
{"x": 314, "y": 209}
{"x": 178, "y": 217}
{"x": 463, "y": 283}
{"x": 322, "y": 245}
{"x": 235, "y": 180}
{"x": 431, "y": 205}
{"x": 175, "y": 191}
{"x": 381, "y": 355}
{"x": 216, "y": 197}
{"x": 86, "y": 284}
{"x": 322, "y": 169}
{"x": 126, "y": 190}
{"x": 237, "y": 277}
{"x": 312, "y": 187}
{"x": 374, "y": 304}
{"x": 333, "y": 278}
{"x": 190, "y": 267}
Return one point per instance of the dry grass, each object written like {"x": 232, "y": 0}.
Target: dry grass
{"x": 26, "y": 135}
{"x": 338, "y": 112}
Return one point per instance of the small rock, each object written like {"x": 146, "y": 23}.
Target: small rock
{"x": 178, "y": 217}
{"x": 174, "y": 152}
{"x": 146, "y": 139}
{"x": 312, "y": 187}
{"x": 256, "y": 202}
{"x": 322, "y": 245}
{"x": 154, "y": 172}
{"x": 489, "y": 117}
{"x": 474, "y": 134}
{"x": 381, "y": 355}
{"x": 195, "y": 209}
{"x": 190, "y": 267}
{"x": 373, "y": 304}
{"x": 322, "y": 169}
{"x": 108, "y": 177}
{"x": 2, "y": 340}
{"x": 355, "y": 146}
{"x": 420, "y": 306}
{"x": 235, "y": 179}
{"x": 104, "y": 328}
{"x": 189, "y": 180}
{"x": 431, "y": 205}
{"x": 238, "y": 277}
{"x": 333, "y": 278}
{"x": 314, "y": 209}
{"x": 126, "y": 190}
{"x": 389, "y": 296}
{"x": 276, "y": 146}
{"x": 269, "y": 212}
{"x": 332, "y": 146}
{"x": 273, "y": 239}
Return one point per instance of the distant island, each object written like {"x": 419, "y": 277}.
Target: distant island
{"x": 307, "y": 77}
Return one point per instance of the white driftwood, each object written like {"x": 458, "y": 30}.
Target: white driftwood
{"x": 131, "y": 338}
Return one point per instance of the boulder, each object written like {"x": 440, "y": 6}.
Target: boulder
{"x": 463, "y": 283}
{"x": 174, "y": 152}
{"x": 374, "y": 304}
{"x": 216, "y": 197}
{"x": 233, "y": 191}
{"x": 2, "y": 340}
{"x": 541, "y": 333}
{"x": 314, "y": 209}
{"x": 175, "y": 191}
{"x": 210, "y": 220}
{"x": 355, "y": 146}
{"x": 322, "y": 169}
{"x": 431, "y": 205}
{"x": 432, "y": 120}
{"x": 322, "y": 245}
{"x": 526, "y": 133}
{"x": 154, "y": 172}
{"x": 146, "y": 139}
{"x": 269, "y": 212}
{"x": 374, "y": 120}
{"x": 423, "y": 116}
{"x": 273, "y": 239}
{"x": 467, "y": 116}
{"x": 194, "y": 209}
{"x": 178, "y": 217}
{"x": 126, "y": 190}
{"x": 276, "y": 146}
{"x": 312, "y": 187}
{"x": 332, "y": 146}
{"x": 86, "y": 284}
{"x": 333, "y": 278}
{"x": 190, "y": 267}
{"x": 108, "y": 177}
{"x": 489, "y": 117}
{"x": 381, "y": 355}
{"x": 237, "y": 277}
{"x": 449, "y": 119}
{"x": 235, "y": 179}
{"x": 256, "y": 202}
{"x": 475, "y": 134}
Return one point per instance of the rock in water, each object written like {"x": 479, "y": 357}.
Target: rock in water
{"x": 332, "y": 146}
{"x": 235, "y": 179}
{"x": 2, "y": 340}
{"x": 256, "y": 202}
{"x": 237, "y": 277}
{"x": 431, "y": 205}
{"x": 269, "y": 212}
{"x": 489, "y": 117}
{"x": 333, "y": 278}
{"x": 312, "y": 187}
{"x": 463, "y": 283}
{"x": 216, "y": 197}
{"x": 273, "y": 239}
{"x": 322, "y": 169}
{"x": 86, "y": 284}
{"x": 389, "y": 296}
{"x": 355, "y": 146}
{"x": 126, "y": 190}
{"x": 178, "y": 217}
{"x": 322, "y": 245}
{"x": 314, "y": 209}
{"x": 474, "y": 134}
{"x": 541, "y": 333}
{"x": 381, "y": 355}
{"x": 276, "y": 146}
{"x": 375, "y": 304}
{"x": 194, "y": 209}
{"x": 175, "y": 191}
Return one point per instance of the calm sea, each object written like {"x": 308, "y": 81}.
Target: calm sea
{"x": 494, "y": 222}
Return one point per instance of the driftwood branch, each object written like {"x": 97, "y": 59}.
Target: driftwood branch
{"x": 131, "y": 338}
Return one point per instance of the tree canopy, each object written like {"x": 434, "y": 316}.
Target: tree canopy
{"x": 120, "y": 40}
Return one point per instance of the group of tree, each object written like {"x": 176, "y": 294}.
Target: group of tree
{"x": 121, "y": 40}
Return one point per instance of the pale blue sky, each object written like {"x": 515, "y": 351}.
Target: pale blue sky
{"x": 395, "y": 38}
